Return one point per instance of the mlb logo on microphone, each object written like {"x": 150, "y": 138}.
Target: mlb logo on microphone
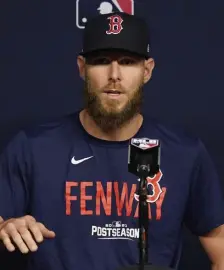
{"x": 89, "y": 8}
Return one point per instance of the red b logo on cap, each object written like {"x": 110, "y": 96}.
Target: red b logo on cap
{"x": 115, "y": 25}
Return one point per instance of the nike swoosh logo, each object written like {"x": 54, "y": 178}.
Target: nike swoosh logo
{"x": 76, "y": 162}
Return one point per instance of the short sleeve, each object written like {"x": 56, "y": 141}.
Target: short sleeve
{"x": 14, "y": 174}
{"x": 205, "y": 206}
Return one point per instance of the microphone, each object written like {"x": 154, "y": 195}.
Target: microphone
{"x": 144, "y": 157}
{"x": 144, "y": 161}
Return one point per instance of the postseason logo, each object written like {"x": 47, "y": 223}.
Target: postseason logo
{"x": 88, "y": 8}
{"x": 115, "y": 230}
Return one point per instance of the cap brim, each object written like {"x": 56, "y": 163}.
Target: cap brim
{"x": 84, "y": 54}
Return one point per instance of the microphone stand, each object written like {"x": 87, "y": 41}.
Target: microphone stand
{"x": 143, "y": 221}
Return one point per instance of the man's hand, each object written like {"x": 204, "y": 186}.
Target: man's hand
{"x": 23, "y": 232}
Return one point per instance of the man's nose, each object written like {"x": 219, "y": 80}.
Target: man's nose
{"x": 115, "y": 71}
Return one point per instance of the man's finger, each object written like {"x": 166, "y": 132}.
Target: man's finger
{"x": 6, "y": 241}
{"x": 35, "y": 230}
{"x": 27, "y": 238}
{"x": 1, "y": 220}
{"x": 45, "y": 232}
{"x": 16, "y": 237}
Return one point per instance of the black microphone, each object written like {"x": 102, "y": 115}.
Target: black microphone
{"x": 144, "y": 161}
{"x": 144, "y": 157}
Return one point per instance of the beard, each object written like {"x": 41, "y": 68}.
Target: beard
{"x": 108, "y": 117}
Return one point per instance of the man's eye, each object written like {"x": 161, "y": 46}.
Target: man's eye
{"x": 101, "y": 61}
{"x": 126, "y": 61}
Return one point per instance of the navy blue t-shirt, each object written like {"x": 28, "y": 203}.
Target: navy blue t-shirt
{"x": 79, "y": 186}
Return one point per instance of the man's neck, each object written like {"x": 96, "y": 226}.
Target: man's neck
{"x": 121, "y": 134}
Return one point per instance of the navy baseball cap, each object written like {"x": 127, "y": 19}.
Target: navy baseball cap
{"x": 116, "y": 31}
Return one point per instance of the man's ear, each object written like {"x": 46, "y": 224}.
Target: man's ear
{"x": 149, "y": 66}
{"x": 81, "y": 65}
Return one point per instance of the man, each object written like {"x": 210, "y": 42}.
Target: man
{"x": 66, "y": 196}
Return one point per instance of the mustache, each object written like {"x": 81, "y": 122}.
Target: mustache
{"x": 113, "y": 88}
{"x": 110, "y": 87}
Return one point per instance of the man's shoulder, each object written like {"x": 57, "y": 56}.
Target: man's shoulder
{"x": 51, "y": 125}
{"x": 48, "y": 129}
{"x": 171, "y": 134}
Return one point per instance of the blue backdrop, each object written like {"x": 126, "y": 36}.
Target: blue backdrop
{"x": 39, "y": 45}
